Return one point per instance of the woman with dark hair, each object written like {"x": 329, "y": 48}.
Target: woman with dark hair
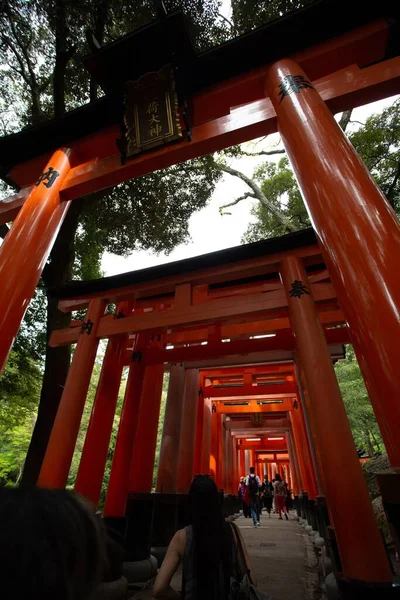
{"x": 280, "y": 496}
{"x": 205, "y": 548}
{"x": 51, "y": 545}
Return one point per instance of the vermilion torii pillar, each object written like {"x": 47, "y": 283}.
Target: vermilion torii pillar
{"x": 94, "y": 454}
{"x": 24, "y": 252}
{"x": 188, "y": 431}
{"x": 118, "y": 484}
{"x": 169, "y": 451}
{"x": 358, "y": 231}
{"x": 61, "y": 446}
{"x": 215, "y": 425}
{"x": 206, "y": 437}
{"x": 199, "y": 430}
{"x": 144, "y": 447}
{"x": 360, "y": 544}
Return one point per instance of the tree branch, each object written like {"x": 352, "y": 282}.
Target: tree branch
{"x": 23, "y": 72}
{"x": 246, "y": 195}
{"x": 345, "y": 119}
{"x": 24, "y": 51}
{"x": 264, "y": 152}
{"x": 259, "y": 195}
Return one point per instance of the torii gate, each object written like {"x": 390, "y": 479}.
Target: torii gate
{"x": 288, "y": 76}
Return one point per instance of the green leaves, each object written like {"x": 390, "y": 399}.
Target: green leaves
{"x": 280, "y": 188}
{"x": 378, "y": 144}
{"x": 357, "y": 403}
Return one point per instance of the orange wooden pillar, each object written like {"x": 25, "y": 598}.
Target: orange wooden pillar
{"x": 94, "y": 454}
{"x": 118, "y": 484}
{"x": 269, "y": 468}
{"x": 169, "y": 451}
{"x": 247, "y": 462}
{"x": 199, "y": 431}
{"x": 360, "y": 544}
{"x": 61, "y": 446}
{"x": 307, "y": 423}
{"x": 303, "y": 452}
{"x": 252, "y": 458}
{"x": 341, "y": 195}
{"x": 214, "y": 446}
{"x": 24, "y": 251}
{"x": 221, "y": 453}
{"x": 144, "y": 446}
{"x": 296, "y": 481}
{"x": 228, "y": 463}
{"x": 188, "y": 431}
{"x": 206, "y": 440}
{"x": 235, "y": 477}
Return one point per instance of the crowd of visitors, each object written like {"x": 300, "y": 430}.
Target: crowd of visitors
{"x": 273, "y": 496}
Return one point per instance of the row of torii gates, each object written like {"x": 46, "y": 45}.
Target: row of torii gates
{"x": 265, "y": 320}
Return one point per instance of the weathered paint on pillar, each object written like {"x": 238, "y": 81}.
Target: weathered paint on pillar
{"x": 303, "y": 452}
{"x": 206, "y": 437}
{"x": 188, "y": 431}
{"x": 360, "y": 544}
{"x": 118, "y": 484}
{"x": 169, "y": 451}
{"x": 341, "y": 196}
{"x": 144, "y": 447}
{"x": 94, "y": 454}
{"x": 61, "y": 446}
{"x": 24, "y": 251}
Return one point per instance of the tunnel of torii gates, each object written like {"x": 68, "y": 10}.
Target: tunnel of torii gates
{"x": 306, "y": 294}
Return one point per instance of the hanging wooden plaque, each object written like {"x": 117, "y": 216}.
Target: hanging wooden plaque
{"x": 151, "y": 115}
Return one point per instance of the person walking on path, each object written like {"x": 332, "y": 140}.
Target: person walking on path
{"x": 242, "y": 497}
{"x": 267, "y": 495}
{"x": 253, "y": 484}
{"x": 280, "y": 496}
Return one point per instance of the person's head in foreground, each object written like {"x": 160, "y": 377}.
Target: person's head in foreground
{"x": 51, "y": 545}
{"x": 252, "y": 470}
{"x": 278, "y": 477}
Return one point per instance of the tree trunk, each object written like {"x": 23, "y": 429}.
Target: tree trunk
{"x": 100, "y": 20}
{"x": 56, "y": 272}
{"x": 369, "y": 444}
{"x": 62, "y": 58}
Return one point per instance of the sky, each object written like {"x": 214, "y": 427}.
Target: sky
{"x": 209, "y": 231}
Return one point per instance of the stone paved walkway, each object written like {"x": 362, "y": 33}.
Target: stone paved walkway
{"x": 282, "y": 559}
